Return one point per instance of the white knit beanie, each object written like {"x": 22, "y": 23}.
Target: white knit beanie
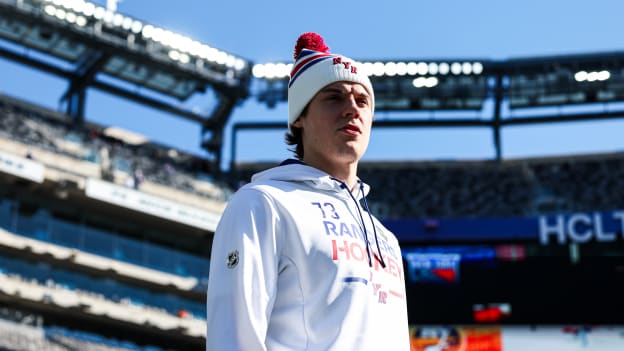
{"x": 315, "y": 68}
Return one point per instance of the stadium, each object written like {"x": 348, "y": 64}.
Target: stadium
{"x": 105, "y": 236}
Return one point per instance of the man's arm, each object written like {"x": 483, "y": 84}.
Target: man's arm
{"x": 243, "y": 274}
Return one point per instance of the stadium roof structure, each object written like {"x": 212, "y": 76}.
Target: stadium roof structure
{"x": 92, "y": 46}
{"x": 474, "y": 93}
{"x": 95, "y": 47}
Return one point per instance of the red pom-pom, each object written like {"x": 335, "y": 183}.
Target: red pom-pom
{"x": 311, "y": 41}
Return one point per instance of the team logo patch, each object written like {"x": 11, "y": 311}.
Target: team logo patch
{"x": 232, "y": 259}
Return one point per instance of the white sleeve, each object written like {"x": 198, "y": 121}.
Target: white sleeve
{"x": 243, "y": 274}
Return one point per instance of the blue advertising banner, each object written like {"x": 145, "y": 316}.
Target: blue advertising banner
{"x": 552, "y": 229}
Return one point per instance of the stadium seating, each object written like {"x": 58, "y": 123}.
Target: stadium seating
{"x": 410, "y": 190}
{"x": 43, "y": 132}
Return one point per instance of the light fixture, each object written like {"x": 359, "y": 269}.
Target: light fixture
{"x": 378, "y": 69}
{"x": 593, "y": 76}
{"x": 456, "y": 68}
{"x": 466, "y": 68}
{"x": 81, "y": 21}
{"x": 401, "y": 68}
{"x": 425, "y": 82}
{"x": 443, "y": 68}
{"x": 148, "y": 31}
{"x": 126, "y": 23}
{"x": 433, "y": 68}
{"x": 477, "y": 68}
{"x": 70, "y": 17}
{"x": 390, "y": 69}
{"x": 50, "y": 10}
{"x": 88, "y": 9}
{"x": 99, "y": 13}
{"x": 367, "y": 68}
{"x": 60, "y": 14}
{"x": 423, "y": 68}
{"x": 258, "y": 70}
{"x": 136, "y": 27}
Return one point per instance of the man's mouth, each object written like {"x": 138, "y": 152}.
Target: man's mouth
{"x": 351, "y": 129}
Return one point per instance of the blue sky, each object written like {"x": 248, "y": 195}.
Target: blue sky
{"x": 265, "y": 31}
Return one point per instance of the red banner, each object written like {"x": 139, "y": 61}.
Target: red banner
{"x": 455, "y": 339}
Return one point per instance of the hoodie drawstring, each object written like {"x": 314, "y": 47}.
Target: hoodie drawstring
{"x": 381, "y": 259}
{"x": 370, "y": 261}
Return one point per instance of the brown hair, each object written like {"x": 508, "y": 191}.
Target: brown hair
{"x": 295, "y": 137}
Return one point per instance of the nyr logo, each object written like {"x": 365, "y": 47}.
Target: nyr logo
{"x": 347, "y": 65}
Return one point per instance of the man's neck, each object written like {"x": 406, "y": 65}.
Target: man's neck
{"x": 346, "y": 172}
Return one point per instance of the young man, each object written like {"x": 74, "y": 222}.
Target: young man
{"x": 298, "y": 261}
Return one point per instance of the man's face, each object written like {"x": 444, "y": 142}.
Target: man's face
{"x": 337, "y": 125}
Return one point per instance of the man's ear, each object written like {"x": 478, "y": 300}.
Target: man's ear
{"x": 297, "y": 123}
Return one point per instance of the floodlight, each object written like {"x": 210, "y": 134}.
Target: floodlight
{"x": 60, "y": 14}
{"x": 118, "y": 19}
{"x": 136, "y": 27}
{"x": 174, "y": 55}
{"x": 213, "y": 54}
{"x": 258, "y": 71}
{"x": 456, "y": 68}
{"x": 431, "y": 82}
{"x": 50, "y": 10}
{"x": 401, "y": 68}
{"x": 270, "y": 72}
{"x": 229, "y": 61}
{"x": 78, "y": 6}
{"x": 88, "y": 9}
{"x": 412, "y": 68}
{"x": 604, "y": 75}
{"x": 185, "y": 43}
{"x": 99, "y": 13}
{"x": 433, "y": 68}
{"x": 184, "y": 58}
{"x": 592, "y": 76}
{"x": 203, "y": 51}
{"x": 108, "y": 16}
{"x": 425, "y": 82}
{"x": 390, "y": 69}
{"x": 443, "y": 68}
{"x": 147, "y": 31}
{"x": 422, "y": 68}
{"x": 157, "y": 34}
{"x": 70, "y": 17}
{"x": 167, "y": 38}
{"x": 477, "y": 68}
{"x": 194, "y": 48}
{"x": 221, "y": 57}
{"x": 378, "y": 69}
{"x": 81, "y": 21}
{"x": 126, "y": 23}
{"x": 283, "y": 69}
{"x": 466, "y": 68}
{"x": 240, "y": 65}
{"x": 367, "y": 68}
{"x": 419, "y": 82}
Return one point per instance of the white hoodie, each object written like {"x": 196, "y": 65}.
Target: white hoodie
{"x": 289, "y": 269}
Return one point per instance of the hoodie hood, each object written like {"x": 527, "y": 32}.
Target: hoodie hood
{"x": 293, "y": 170}
{"x": 296, "y": 171}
